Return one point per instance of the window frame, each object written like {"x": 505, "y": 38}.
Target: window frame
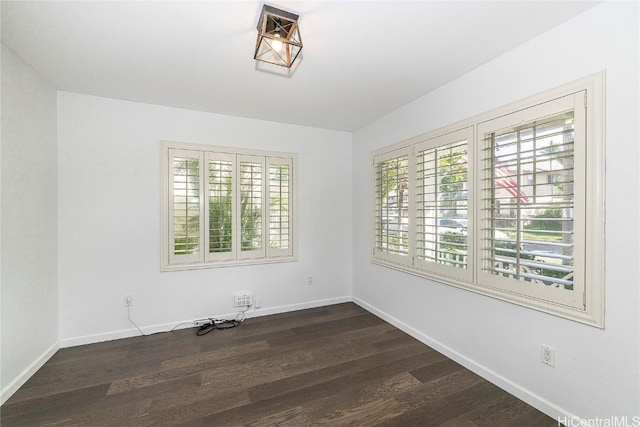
{"x": 204, "y": 259}
{"x": 586, "y": 304}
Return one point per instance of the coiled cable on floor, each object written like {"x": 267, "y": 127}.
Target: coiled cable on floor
{"x": 213, "y": 324}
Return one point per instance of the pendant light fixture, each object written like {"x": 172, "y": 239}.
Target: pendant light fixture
{"x": 279, "y": 39}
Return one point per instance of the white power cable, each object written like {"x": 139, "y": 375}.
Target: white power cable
{"x": 240, "y": 318}
{"x": 132, "y": 321}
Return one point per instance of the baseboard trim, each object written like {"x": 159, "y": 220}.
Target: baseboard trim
{"x": 302, "y": 306}
{"x": 166, "y": 327}
{"x": 533, "y": 399}
{"x": 27, "y": 373}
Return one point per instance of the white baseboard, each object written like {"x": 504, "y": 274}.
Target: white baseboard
{"x": 165, "y": 327}
{"x": 122, "y": 333}
{"x": 293, "y": 307}
{"x": 27, "y": 373}
{"x": 504, "y": 383}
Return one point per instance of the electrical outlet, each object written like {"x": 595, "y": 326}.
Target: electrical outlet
{"x": 257, "y": 302}
{"x": 128, "y": 301}
{"x": 310, "y": 281}
{"x": 243, "y": 299}
{"x": 548, "y": 355}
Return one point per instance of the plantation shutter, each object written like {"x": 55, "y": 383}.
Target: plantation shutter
{"x": 221, "y": 206}
{"x": 251, "y": 222}
{"x": 185, "y": 211}
{"x": 392, "y": 218}
{"x": 532, "y": 215}
{"x": 443, "y": 227}
{"x": 280, "y": 209}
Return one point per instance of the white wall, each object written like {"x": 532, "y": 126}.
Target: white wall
{"x": 109, "y": 201}
{"x": 29, "y": 238}
{"x": 596, "y": 372}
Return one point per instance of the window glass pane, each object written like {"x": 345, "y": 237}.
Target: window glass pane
{"x": 528, "y": 199}
{"x": 441, "y": 226}
{"x": 186, "y": 206}
{"x": 392, "y": 210}
{"x": 279, "y": 206}
{"x": 220, "y": 206}
{"x": 250, "y": 206}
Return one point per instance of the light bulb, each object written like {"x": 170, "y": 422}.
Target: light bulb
{"x": 277, "y": 44}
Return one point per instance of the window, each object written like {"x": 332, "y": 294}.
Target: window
{"x": 224, "y": 206}
{"x": 509, "y": 203}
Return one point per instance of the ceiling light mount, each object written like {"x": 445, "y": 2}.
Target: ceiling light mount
{"x": 279, "y": 40}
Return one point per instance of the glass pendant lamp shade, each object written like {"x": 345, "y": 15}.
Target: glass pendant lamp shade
{"x": 279, "y": 39}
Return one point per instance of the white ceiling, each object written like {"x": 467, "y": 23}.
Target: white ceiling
{"x": 361, "y": 59}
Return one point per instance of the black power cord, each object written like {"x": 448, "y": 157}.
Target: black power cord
{"x": 220, "y": 324}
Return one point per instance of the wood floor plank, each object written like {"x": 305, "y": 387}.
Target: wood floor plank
{"x": 68, "y": 382}
{"x": 336, "y": 366}
{"x": 291, "y": 417}
{"x": 279, "y": 325}
{"x": 439, "y": 411}
{"x": 214, "y": 356}
{"x": 323, "y": 387}
{"x": 325, "y": 329}
{"x": 429, "y": 373}
{"x": 404, "y": 358}
{"x": 349, "y": 404}
{"x": 363, "y": 414}
{"x": 46, "y": 403}
{"x": 181, "y": 366}
{"x": 193, "y": 411}
{"x": 90, "y": 410}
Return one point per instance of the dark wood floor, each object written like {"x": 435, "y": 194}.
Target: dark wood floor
{"x": 336, "y": 365}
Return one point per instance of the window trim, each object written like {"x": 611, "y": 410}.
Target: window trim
{"x": 266, "y": 256}
{"x": 591, "y": 312}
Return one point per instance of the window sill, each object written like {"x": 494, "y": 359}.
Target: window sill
{"x": 545, "y": 306}
{"x": 233, "y": 263}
